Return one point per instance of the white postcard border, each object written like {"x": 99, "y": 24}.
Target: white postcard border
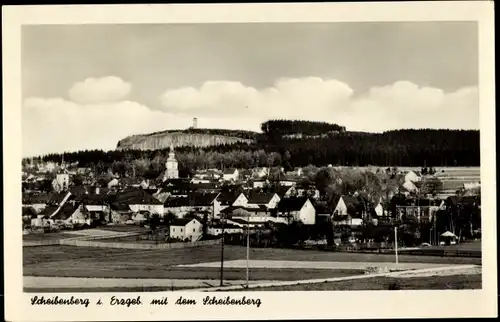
{"x": 275, "y": 305}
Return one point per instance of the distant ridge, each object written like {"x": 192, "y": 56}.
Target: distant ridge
{"x": 186, "y": 137}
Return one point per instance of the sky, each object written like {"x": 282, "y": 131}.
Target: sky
{"x": 88, "y": 86}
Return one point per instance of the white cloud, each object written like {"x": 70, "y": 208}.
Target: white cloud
{"x": 99, "y": 90}
{"x": 101, "y": 117}
{"x": 287, "y": 98}
{"x": 399, "y": 105}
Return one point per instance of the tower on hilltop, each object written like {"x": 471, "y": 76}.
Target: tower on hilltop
{"x": 172, "y": 171}
{"x": 195, "y": 123}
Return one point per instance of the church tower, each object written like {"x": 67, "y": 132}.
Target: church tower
{"x": 172, "y": 171}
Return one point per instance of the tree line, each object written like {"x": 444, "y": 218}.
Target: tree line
{"x": 307, "y": 128}
{"x": 401, "y": 148}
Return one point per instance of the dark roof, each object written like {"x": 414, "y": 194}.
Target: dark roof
{"x": 65, "y": 212}
{"x": 79, "y": 190}
{"x": 135, "y": 196}
{"x": 291, "y": 204}
{"x": 260, "y": 198}
{"x": 57, "y": 198}
{"x": 194, "y": 199}
{"x": 48, "y": 211}
{"x": 177, "y": 202}
{"x": 229, "y": 210}
{"x": 29, "y": 198}
{"x": 120, "y": 207}
{"x": 226, "y": 226}
{"x": 228, "y": 197}
{"x": 182, "y": 222}
{"x": 29, "y": 212}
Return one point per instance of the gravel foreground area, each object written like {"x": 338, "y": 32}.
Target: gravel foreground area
{"x": 40, "y": 282}
{"x": 442, "y": 282}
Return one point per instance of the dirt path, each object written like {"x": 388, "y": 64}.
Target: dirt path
{"x": 318, "y": 265}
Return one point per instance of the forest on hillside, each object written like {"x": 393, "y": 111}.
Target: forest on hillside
{"x": 279, "y": 128}
{"x": 392, "y": 148}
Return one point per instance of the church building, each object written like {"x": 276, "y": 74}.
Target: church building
{"x": 172, "y": 171}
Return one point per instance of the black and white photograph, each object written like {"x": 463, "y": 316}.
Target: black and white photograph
{"x": 250, "y": 157}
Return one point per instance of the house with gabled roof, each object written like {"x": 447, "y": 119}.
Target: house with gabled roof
{"x": 228, "y": 198}
{"x": 190, "y": 229}
{"x": 139, "y": 200}
{"x": 349, "y": 211}
{"x": 193, "y": 202}
{"x": 298, "y": 209}
{"x": 269, "y": 200}
{"x": 67, "y": 214}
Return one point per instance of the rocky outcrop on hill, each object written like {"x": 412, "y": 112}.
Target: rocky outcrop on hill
{"x": 164, "y": 140}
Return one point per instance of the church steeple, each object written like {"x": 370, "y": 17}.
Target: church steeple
{"x": 172, "y": 171}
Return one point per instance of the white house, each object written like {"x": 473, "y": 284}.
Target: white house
{"x": 65, "y": 214}
{"x": 379, "y": 210}
{"x": 190, "y": 229}
{"x": 224, "y": 200}
{"x": 230, "y": 175}
{"x": 412, "y": 176}
{"x": 300, "y": 209}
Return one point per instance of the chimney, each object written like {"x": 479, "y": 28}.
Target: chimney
{"x": 195, "y": 122}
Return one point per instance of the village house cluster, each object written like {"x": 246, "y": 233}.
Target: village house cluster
{"x": 214, "y": 200}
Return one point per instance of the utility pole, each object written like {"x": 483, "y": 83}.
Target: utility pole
{"x": 222, "y": 253}
{"x": 396, "y": 243}
{"x": 248, "y": 244}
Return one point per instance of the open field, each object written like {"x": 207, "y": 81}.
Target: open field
{"x": 48, "y": 236}
{"x": 267, "y": 264}
{"x": 203, "y": 254}
{"x": 455, "y": 282}
{"x": 125, "y": 228}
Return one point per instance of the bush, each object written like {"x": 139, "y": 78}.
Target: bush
{"x": 394, "y": 286}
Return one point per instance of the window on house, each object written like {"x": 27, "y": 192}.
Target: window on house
{"x": 181, "y": 230}
{"x": 194, "y": 229}
{"x": 173, "y": 229}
